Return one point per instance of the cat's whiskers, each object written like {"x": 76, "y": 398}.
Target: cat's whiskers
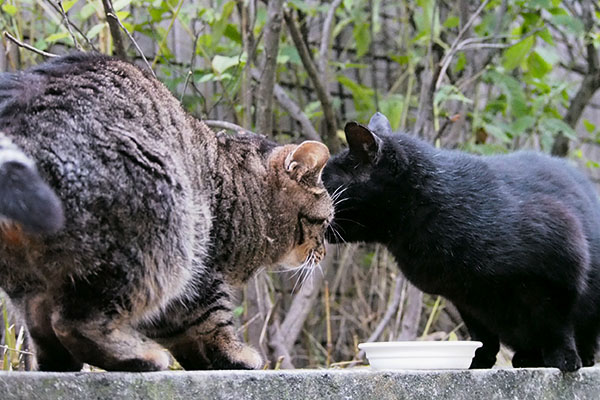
{"x": 338, "y": 192}
{"x": 335, "y": 232}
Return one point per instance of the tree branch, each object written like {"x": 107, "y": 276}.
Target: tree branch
{"x": 293, "y": 109}
{"x": 322, "y": 93}
{"x": 389, "y": 313}
{"x": 113, "y": 25}
{"x": 28, "y": 47}
{"x": 589, "y": 85}
{"x": 264, "y": 104}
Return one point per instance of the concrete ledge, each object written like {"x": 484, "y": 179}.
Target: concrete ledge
{"x": 521, "y": 384}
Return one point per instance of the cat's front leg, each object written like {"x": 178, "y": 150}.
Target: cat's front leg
{"x": 213, "y": 344}
{"x": 485, "y": 356}
{"x": 199, "y": 331}
{"x": 219, "y": 349}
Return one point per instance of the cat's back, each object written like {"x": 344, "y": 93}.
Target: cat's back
{"x": 111, "y": 141}
{"x": 531, "y": 173}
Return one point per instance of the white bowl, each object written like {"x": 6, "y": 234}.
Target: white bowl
{"x": 420, "y": 355}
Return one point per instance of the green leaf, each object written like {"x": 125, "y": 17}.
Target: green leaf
{"x": 57, "y": 36}
{"x": 589, "y": 126}
{"x": 362, "y": 37}
{"x": 221, "y": 63}
{"x": 95, "y": 30}
{"x": 461, "y": 61}
{"x": 571, "y": 23}
{"x": 522, "y": 124}
{"x": 538, "y": 67}
{"x": 120, "y": 4}
{"x": 362, "y": 95}
{"x": 451, "y": 22}
{"x": 555, "y": 125}
{"x": 513, "y": 90}
{"x": 68, "y": 4}
{"x": 449, "y": 92}
{"x": 9, "y": 9}
{"x": 232, "y": 33}
{"x": 514, "y": 55}
{"x": 392, "y": 107}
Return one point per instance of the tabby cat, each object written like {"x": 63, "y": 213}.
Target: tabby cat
{"x": 162, "y": 218}
{"x": 512, "y": 240}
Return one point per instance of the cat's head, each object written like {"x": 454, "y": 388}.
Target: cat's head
{"x": 301, "y": 201}
{"x": 358, "y": 179}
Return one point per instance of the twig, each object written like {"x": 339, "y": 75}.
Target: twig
{"x": 228, "y": 125}
{"x": 185, "y": 85}
{"x": 67, "y": 24}
{"x": 455, "y": 45}
{"x": 293, "y": 109}
{"x": 326, "y": 38}
{"x": 72, "y": 25}
{"x": 264, "y": 104}
{"x": 113, "y": 25}
{"x": 319, "y": 85}
{"x": 389, "y": 313}
{"x": 139, "y": 50}
{"x": 28, "y": 47}
{"x": 164, "y": 39}
{"x": 6, "y": 348}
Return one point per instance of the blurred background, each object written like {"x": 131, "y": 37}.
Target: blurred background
{"x": 487, "y": 77}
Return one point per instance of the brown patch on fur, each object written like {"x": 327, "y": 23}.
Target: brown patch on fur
{"x": 13, "y": 235}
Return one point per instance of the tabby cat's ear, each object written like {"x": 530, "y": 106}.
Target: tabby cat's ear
{"x": 363, "y": 143}
{"x": 307, "y": 161}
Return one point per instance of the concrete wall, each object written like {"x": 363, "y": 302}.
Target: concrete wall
{"x": 359, "y": 383}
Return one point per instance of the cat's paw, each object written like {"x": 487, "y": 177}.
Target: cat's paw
{"x": 567, "y": 360}
{"x": 244, "y": 357}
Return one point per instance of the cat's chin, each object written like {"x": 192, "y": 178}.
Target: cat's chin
{"x": 299, "y": 257}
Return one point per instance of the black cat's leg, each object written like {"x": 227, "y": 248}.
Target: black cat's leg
{"x": 527, "y": 359}
{"x": 93, "y": 320}
{"x": 50, "y": 353}
{"x": 587, "y": 342}
{"x": 559, "y": 351}
{"x": 485, "y": 356}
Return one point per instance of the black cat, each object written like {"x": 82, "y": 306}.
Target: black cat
{"x": 512, "y": 240}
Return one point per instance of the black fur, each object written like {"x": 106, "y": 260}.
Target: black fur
{"x": 512, "y": 240}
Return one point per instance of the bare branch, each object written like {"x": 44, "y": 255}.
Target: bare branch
{"x": 322, "y": 93}
{"x": 264, "y": 104}
{"x": 587, "y": 89}
{"x": 28, "y": 47}
{"x": 139, "y": 50}
{"x": 113, "y": 25}
{"x": 67, "y": 24}
{"x": 326, "y": 38}
{"x": 228, "y": 125}
{"x": 412, "y": 313}
{"x": 308, "y": 131}
{"x": 389, "y": 313}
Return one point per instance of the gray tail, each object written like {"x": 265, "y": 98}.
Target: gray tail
{"x": 24, "y": 196}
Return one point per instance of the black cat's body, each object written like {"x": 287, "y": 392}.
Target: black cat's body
{"x": 513, "y": 240}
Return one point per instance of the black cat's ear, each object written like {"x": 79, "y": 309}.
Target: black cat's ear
{"x": 307, "y": 161}
{"x": 380, "y": 124}
{"x": 363, "y": 143}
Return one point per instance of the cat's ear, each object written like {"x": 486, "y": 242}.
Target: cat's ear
{"x": 380, "y": 124}
{"x": 363, "y": 143}
{"x": 307, "y": 161}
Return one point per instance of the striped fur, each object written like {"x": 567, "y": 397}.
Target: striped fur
{"x": 162, "y": 216}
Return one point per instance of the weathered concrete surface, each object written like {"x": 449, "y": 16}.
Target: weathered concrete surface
{"x": 515, "y": 384}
